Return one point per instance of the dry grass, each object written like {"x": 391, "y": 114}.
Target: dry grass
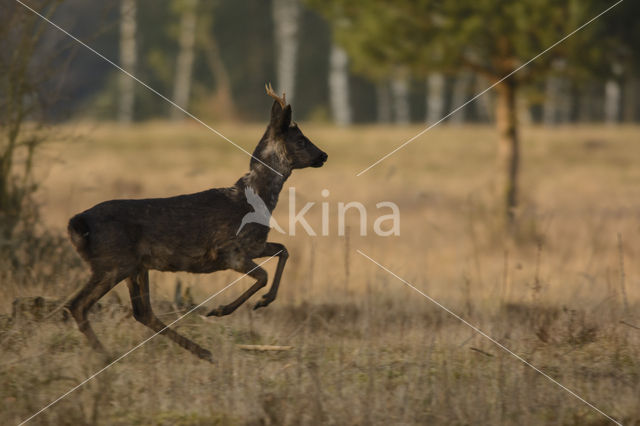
{"x": 366, "y": 349}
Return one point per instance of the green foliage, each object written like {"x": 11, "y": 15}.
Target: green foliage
{"x": 490, "y": 37}
{"x": 613, "y": 45}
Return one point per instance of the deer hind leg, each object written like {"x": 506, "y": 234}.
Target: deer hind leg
{"x": 253, "y": 270}
{"x": 142, "y": 312}
{"x": 97, "y": 286}
{"x": 273, "y": 249}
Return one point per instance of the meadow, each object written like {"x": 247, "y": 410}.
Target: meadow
{"x": 563, "y": 292}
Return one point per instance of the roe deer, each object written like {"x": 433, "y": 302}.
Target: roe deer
{"x": 124, "y": 239}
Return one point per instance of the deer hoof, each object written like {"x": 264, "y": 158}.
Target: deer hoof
{"x": 263, "y": 302}
{"x": 206, "y": 356}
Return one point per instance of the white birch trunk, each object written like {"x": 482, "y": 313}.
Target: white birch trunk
{"x": 285, "y": 17}
{"x": 184, "y": 65}
{"x": 612, "y": 96}
{"x": 339, "y": 86}
{"x": 126, "y": 84}
{"x": 459, "y": 96}
{"x": 435, "y": 97}
{"x": 400, "y": 93}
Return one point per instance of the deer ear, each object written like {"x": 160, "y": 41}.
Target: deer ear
{"x": 280, "y": 118}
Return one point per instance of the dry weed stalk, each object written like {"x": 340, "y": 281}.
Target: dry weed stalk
{"x": 622, "y": 276}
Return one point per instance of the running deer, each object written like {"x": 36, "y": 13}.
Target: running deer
{"x": 124, "y": 239}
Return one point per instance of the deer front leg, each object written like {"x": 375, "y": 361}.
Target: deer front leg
{"x": 273, "y": 249}
{"x": 253, "y": 270}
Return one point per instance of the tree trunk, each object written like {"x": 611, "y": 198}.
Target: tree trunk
{"x": 285, "y": 17}
{"x": 612, "y": 102}
{"x": 435, "y": 97}
{"x": 184, "y": 65}
{"x": 339, "y": 86}
{"x": 550, "y": 106}
{"x": 383, "y": 102}
{"x": 459, "y": 96}
{"x": 128, "y": 58}
{"x": 509, "y": 149}
{"x": 400, "y": 93}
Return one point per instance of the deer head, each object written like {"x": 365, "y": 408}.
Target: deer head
{"x": 283, "y": 145}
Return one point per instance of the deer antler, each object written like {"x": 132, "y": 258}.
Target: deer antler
{"x": 270, "y": 92}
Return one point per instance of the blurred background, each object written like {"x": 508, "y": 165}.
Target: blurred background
{"x": 338, "y": 61}
{"x": 520, "y": 211}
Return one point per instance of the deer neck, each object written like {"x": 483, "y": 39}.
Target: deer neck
{"x": 265, "y": 182}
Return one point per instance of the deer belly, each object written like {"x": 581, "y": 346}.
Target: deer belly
{"x": 181, "y": 258}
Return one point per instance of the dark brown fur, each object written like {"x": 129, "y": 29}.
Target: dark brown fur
{"x": 124, "y": 239}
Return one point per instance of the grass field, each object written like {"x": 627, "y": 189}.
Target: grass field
{"x": 564, "y": 293}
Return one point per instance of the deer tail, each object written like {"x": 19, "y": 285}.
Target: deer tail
{"x": 79, "y": 234}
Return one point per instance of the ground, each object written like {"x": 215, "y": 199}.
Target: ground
{"x": 563, "y": 292}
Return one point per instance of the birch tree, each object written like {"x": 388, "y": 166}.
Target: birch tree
{"x": 400, "y": 97}
{"x": 435, "y": 97}
{"x": 128, "y": 58}
{"x": 186, "y": 55}
{"x": 285, "y": 19}
{"x": 612, "y": 97}
{"x": 339, "y": 86}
